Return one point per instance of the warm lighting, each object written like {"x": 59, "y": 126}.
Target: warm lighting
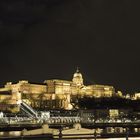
{"x": 57, "y": 93}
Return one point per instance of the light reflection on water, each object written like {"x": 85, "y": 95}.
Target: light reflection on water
{"x": 138, "y": 138}
{"x": 18, "y": 133}
{"x": 11, "y": 133}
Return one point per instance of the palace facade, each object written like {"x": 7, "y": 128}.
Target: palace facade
{"x": 52, "y": 94}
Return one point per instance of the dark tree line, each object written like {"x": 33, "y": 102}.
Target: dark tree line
{"x": 108, "y": 103}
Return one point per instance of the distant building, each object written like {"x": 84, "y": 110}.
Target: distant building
{"x": 137, "y": 96}
{"x": 53, "y": 93}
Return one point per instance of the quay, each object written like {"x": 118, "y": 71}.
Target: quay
{"x": 75, "y": 132}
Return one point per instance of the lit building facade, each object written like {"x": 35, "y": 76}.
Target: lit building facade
{"x": 136, "y": 96}
{"x": 53, "y": 93}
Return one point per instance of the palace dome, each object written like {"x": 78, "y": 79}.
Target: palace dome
{"x": 77, "y": 78}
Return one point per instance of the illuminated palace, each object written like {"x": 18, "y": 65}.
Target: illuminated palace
{"x": 53, "y": 93}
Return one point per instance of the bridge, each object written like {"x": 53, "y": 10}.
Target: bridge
{"x": 34, "y": 120}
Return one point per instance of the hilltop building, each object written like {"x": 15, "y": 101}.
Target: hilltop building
{"x": 136, "y": 96}
{"x": 53, "y": 94}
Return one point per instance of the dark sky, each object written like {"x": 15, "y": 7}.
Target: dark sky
{"x": 45, "y": 39}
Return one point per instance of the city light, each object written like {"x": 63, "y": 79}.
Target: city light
{"x": 63, "y": 108}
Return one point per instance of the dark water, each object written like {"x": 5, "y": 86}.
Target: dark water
{"x": 47, "y": 138}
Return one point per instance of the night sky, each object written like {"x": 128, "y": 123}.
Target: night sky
{"x": 46, "y": 39}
